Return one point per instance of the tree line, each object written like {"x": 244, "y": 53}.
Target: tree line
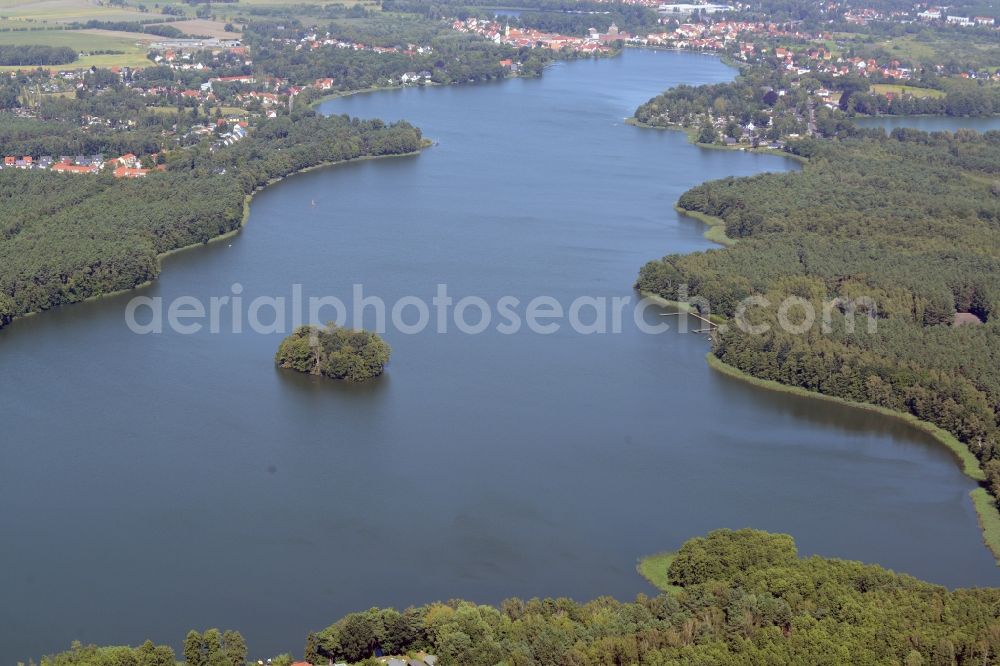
{"x": 156, "y": 27}
{"x": 31, "y": 55}
{"x": 970, "y": 101}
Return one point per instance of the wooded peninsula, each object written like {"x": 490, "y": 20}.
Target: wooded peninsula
{"x": 909, "y": 221}
{"x": 737, "y": 597}
{"x": 67, "y": 237}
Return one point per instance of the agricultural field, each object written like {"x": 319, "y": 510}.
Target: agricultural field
{"x": 204, "y": 27}
{"x": 28, "y": 22}
{"x": 130, "y": 46}
{"x": 224, "y": 11}
{"x": 19, "y": 14}
{"x": 63, "y": 11}
{"x": 885, "y": 88}
{"x": 24, "y": 22}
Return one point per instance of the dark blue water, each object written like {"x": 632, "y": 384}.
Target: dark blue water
{"x": 932, "y": 123}
{"x": 152, "y": 484}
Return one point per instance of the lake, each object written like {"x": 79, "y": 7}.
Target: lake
{"x": 931, "y": 123}
{"x": 155, "y": 483}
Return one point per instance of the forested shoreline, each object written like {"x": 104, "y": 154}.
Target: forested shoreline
{"x": 66, "y": 238}
{"x": 736, "y": 597}
{"x": 909, "y": 222}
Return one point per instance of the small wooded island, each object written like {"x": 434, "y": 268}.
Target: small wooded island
{"x": 334, "y": 352}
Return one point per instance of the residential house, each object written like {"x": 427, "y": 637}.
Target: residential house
{"x": 67, "y": 167}
{"x": 130, "y": 172}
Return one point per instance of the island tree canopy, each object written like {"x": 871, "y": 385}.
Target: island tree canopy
{"x": 334, "y": 352}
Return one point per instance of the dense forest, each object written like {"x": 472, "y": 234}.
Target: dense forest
{"x": 67, "y": 237}
{"x": 64, "y": 238}
{"x": 25, "y": 136}
{"x": 743, "y": 597}
{"x": 35, "y": 54}
{"x": 284, "y": 145}
{"x": 911, "y": 222}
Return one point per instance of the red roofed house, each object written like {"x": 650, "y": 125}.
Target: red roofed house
{"x": 128, "y": 160}
{"x": 265, "y": 98}
{"x": 66, "y": 167}
{"x": 129, "y": 172}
